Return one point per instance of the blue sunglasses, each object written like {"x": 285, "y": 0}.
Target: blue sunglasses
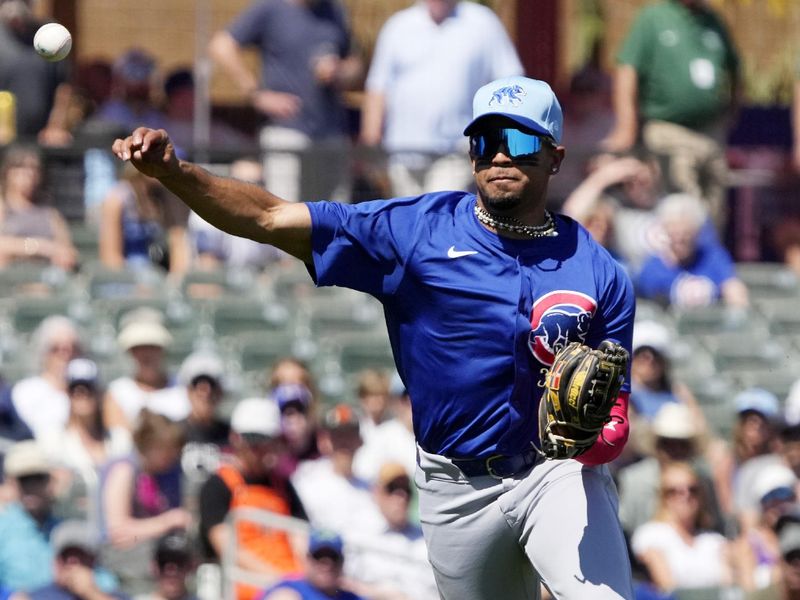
{"x": 515, "y": 144}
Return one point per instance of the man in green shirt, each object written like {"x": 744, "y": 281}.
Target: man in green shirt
{"x": 674, "y": 86}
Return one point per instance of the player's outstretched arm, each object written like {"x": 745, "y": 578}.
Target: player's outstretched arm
{"x": 234, "y": 206}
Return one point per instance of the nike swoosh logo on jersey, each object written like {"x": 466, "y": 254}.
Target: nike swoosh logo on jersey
{"x": 453, "y": 253}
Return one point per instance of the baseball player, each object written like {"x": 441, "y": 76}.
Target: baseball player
{"x": 482, "y": 293}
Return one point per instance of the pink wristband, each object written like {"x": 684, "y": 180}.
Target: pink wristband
{"x": 612, "y": 439}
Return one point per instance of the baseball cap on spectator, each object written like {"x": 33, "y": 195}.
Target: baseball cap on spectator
{"x": 341, "y": 416}
{"x": 287, "y": 394}
{"x": 135, "y": 66}
{"x": 25, "y": 458}
{"x": 674, "y": 421}
{"x": 201, "y": 364}
{"x": 74, "y": 534}
{"x": 256, "y": 417}
{"x": 146, "y": 332}
{"x": 324, "y": 539}
{"x": 82, "y": 371}
{"x": 393, "y": 476}
{"x": 758, "y": 400}
{"x": 775, "y": 482}
{"x": 173, "y": 547}
{"x": 651, "y": 334}
{"x": 789, "y": 538}
{"x": 527, "y": 102}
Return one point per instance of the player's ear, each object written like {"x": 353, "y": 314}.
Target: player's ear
{"x": 556, "y": 157}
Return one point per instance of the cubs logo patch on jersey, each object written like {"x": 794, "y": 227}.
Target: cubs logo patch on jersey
{"x": 558, "y": 318}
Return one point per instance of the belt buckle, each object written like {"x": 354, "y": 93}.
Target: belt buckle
{"x": 489, "y": 470}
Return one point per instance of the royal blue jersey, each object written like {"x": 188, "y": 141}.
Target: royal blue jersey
{"x": 473, "y": 318}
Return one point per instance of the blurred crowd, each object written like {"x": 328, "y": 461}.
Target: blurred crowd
{"x": 157, "y": 484}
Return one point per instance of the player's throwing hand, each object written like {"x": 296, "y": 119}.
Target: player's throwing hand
{"x": 149, "y": 150}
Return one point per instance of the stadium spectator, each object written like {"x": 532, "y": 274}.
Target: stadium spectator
{"x": 27, "y": 520}
{"x": 173, "y": 566}
{"x": 372, "y": 391}
{"x": 133, "y": 102}
{"x": 323, "y": 573}
{"x": 40, "y": 88}
{"x": 652, "y": 383}
{"x": 789, "y": 540}
{"x": 142, "y": 225}
{"x": 400, "y": 568}
{"x": 393, "y": 440}
{"x": 333, "y": 496}
{"x": 676, "y": 437}
{"x": 588, "y": 119}
{"x": 29, "y": 229}
{"x": 76, "y": 575}
{"x": 307, "y": 60}
{"x": 675, "y": 87}
{"x": 144, "y": 337}
{"x": 630, "y": 187}
{"x": 80, "y": 448}
{"x": 678, "y": 546}
{"x": 251, "y": 481}
{"x": 179, "y": 96}
{"x": 206, "y": 433}
{"x": 215, "y": 249}
{"x": 41, "y": 400}
{"x": 757, "y": 548}
{"x": 686, "y": 272}
{"x": 141, "y": 499}
{"x": 419, "y": 95}
{"x": 298, "y": 425}
{"x": 754, "y": 446}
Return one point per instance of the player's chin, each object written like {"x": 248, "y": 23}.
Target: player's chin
{"x": 500, "y": 201}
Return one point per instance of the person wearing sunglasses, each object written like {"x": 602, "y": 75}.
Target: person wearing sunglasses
{"x": 677, "y": 546}
{"x": 480, "y": 291}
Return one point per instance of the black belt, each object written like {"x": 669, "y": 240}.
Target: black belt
{"x": 498, "y": 465}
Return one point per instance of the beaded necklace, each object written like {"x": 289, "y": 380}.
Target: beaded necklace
{"x": 546, "y": 229}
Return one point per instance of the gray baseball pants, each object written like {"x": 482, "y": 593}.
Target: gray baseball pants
{"x": 495, "y": 538}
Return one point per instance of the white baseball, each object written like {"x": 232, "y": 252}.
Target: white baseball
{"x": 52, "y": 41}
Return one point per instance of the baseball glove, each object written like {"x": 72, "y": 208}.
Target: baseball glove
{"x": 579, "y": 391}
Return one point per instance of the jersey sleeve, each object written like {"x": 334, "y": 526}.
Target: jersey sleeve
{"x": 635, "y": 49}
{"x": 248, "y": 28}
{"x": 363, "y": 246}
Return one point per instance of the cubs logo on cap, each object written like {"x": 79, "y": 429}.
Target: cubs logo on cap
{"x": 527, "y": 102}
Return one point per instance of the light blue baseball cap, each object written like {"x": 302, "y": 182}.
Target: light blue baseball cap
{"x": 528, "y": 102}
{"x": 758, "y": 400}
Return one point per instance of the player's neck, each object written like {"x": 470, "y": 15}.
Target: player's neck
{"x": 532, "y": 223}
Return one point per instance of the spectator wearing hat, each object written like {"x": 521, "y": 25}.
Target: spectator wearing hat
{"x": 393, "y": 440}
{"x": 141, "y": 499}
{"x": 334, "y": 497}
{"x": 132, "y": 103}
{"x": 757, "y": 548}
{"x": 173, "y": 565}
{"x": 207, "y": 435}
{"x": 78, "y": 450}
{"x": 675, "y": 437}
{"x": 323, "y": 579}
{"x": 401, "y": 567}
{"x": 298, "y": 425}
{"x": 755, "y": 444}
{"x": 27, "y": 521}
{"x": 144, "y": 337}
{"x": 41, "y": 400}
{"x": 252, "y": 481}
{"x": 76, "y": 575}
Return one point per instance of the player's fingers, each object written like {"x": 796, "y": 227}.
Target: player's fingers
{"x": 153, "y": 138}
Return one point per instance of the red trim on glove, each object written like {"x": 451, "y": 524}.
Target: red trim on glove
{"x": 612, "y": 438}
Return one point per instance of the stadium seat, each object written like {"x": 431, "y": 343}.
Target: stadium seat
{"x": 737, "y": 351}
{"x": 781, "y": 314}
{"x": 346, "y": 312}
{"x": 32, "y": 279}
{"x": 765, "y": 279}
{"x": 86, "y": 239}
{"x": 715, "y": 319}
{"x": 102, "y": 282}
{"x": 364, "y": 352}
{"x": 249, "y": 315}
{"x": 259, "y": 351}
